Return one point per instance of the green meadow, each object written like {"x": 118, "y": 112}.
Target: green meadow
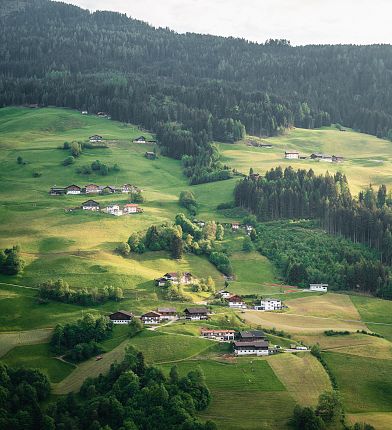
{"x": 79, "y": 247}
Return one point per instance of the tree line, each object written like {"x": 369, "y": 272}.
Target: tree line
{"x": 290, "y": 194}
{"x": 131, "y": 395}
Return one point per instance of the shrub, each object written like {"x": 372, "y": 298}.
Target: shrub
{"x": 69, "y": 160}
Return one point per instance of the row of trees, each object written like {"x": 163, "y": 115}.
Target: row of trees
{"x": 11, "y": 262}
{"x": 61, "y": 291}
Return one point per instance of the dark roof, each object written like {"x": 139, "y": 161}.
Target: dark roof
{"x": 90, "y": 203}
{"x": 92, "y": 185}
{"x": 128, "y": 314}
{"x": 251, "y": 334}
{"x": 255, "y": 344}
{"x": 196, "y": 310}
{"x": 235, "y": 299}
{"x": 151, "y": 314}
{"x": 140, "y": 138}
{"x": 73, "y": 185}
{"x": 166, "y": 310}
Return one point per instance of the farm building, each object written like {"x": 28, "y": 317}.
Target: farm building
{"x": 258, "y": 347}
{"x": 176, "y": 278}
{"x": 321, "y": 157}
{"x": 90, "y": 205}
{"x": 73, "y": 189}
{"x": 95, "y": 138}
{"x": 251, "y": 335}
{"x": 222, "y": 335}
{"x": 224, "y": 294}
{"x": 318, "y": 287}
{"x": 235, "y": 226}
{"x": 337, "y": 158}
{"x": 236, "y": 302}
{"x": 109, "y": 189}
{"x": 140, "y": 139}
{"x": 196, "y": 314}
{"x": 128, "y": 188}
{"x": 291, "y": 155}
{"x": 151, "y": 317}
{"x": 57, "y": 191}
{"x": 114, "y": 210}
{"x": 121, "y": 317}
{"x": 131, "y": 208}
{"x": 150, "y": 155}
{"x": 92, "y": 189}
{"x": 269, "y": 305}
{"x": 168, "y": 313}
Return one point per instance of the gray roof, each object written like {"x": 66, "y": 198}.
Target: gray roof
{"x": 251, "y": 334}
{"x": 255, "y": 344}
{"x": 196, "y": 310}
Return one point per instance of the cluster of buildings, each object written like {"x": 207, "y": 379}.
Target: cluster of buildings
{"x": 175, "y": 278}
{"x": 237, "y": 302}
{"x": 93, "y": 189}
{"x": 295, "y": 155}
{"x": 114, "y": 209}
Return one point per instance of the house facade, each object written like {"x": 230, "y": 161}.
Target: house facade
{"x": 128, "y": 188}
{"x": 151, "y": 317}
{"x": 236, "y": 302}
{"x": 109, "y": 189}
{"x": 57, "y": 191}
{"x": 121, "y": 317}
{"x": 95, "y": 138}
{"x": 114, "y": 210}
{"x": 235, "y": 226}
{"x": 319, "y": 287}
{"x": 257, "y": 348}
{"x": 291, "y": 155}
{"x": 150, "y": 155}
{"x": 196, "y": 314}
{"x": 140, "y": 139}
{"x": 269, "y": 305}
{"x": 92, "y": 189}
{"x": 73, "y": 189}
{"x": 168, "y": 314}
{"x": 221, "y": 335}
{"x": 130, "y": 208}
{"x": 224, "y": 294}
{"x": 90, "y": 205}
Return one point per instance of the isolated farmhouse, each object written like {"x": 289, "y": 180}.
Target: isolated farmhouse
{"x": 121, "y": 317}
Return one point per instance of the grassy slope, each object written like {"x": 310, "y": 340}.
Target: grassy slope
{"x": 367, "y": 158}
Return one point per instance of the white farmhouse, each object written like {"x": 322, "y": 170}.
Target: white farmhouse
{"x": 259, "y": 347}
{"x": 319, "y": 287}
{"x": 291, "y": 155}
{"x": 269, "y": 305}
{"x": 114, "y": 210}
{"x": 224, "y": 294}
{"x": 131, "y": 208}
{"x": 236, "y": 302}
{"x": 121, "y": 317}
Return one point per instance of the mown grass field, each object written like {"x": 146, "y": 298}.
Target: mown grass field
{"x": 13, "y": 339}
{"x": 366, "y": 385}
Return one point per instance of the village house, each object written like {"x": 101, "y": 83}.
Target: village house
{"x": 73, "y": 189}
{"x": 95, "y": 138}
{"x": 291, "y": 155}
{"x": 251, "y": 336}
{"x": 151, "y": 317}
{"x": 236, "y": 302}
{"x": 196, "y": 314}
{"x": 140, "y": 139}
{"x": 318, "y": 287}
{"x": 84, "y": 112}
{"x": 109, "y": 189}
{"x": 176, "y": 278}
{"x": 258, "y": 348}
{"x": 224, "y": 294}
{"x": 114, "y": 210}
{"x": 221, "y": 335}
{"x": 130, "y": 208}
{"x": 92, "y": 189}
{"x": 269, "y": 305}
{"x": 121, "y": 317}
{"x": 248, "y": 229}
{"x": 235, "y": 226}
{"x": 90, "y": 205}
{"x": 128, "y": 188}
{"x": 168, "y": 313}
{"x": 150, "y": 155}
{"x": 321, "y": 157}
{"x": 57, "y": 191}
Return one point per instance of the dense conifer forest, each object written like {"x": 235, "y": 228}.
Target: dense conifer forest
{"x": 189, "y": 88}
{"x": 290, "y": 194}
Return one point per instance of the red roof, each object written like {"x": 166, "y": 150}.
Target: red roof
{"x": 130, "y": 205}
